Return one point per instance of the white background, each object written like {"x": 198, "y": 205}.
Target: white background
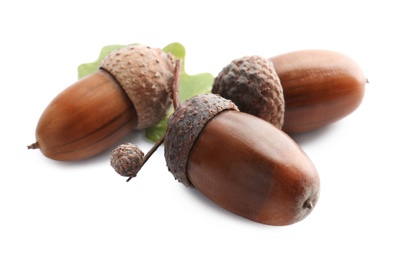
{"x": 84, "y": 210}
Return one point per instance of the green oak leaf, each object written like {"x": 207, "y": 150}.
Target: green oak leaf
{"x": 190, "y": 85}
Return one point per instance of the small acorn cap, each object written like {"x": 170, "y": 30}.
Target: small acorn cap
{"x": 147, "y": 75}
{"x": 184, "y": 127}
{"x": 126, "y": 159}
{"x": 252, "y": 84}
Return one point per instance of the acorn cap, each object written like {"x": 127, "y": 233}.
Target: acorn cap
{"x": 184, "y": 127}
{"x": 147, "y": 75}
{"x": 252, "y": 84}
{"x": 126, "y": 159}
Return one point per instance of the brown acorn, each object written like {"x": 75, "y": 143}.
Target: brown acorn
{"x": 240, "y": 162}
{"x": 131, "y": 90}
{"x": 319, "y": 87}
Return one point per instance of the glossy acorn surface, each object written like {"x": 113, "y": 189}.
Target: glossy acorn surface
{"x": 240, "y": 162}
{"x": 254, "y": 170}
{"x": 132, "y": 89}
{"x": 320, "y": 87}
{"x": 68, "y": 130}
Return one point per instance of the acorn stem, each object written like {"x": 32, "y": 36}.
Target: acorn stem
{"x": 176, "y": 83}
{"x": 176, "y": 103}
{"x": 148, "y": 155}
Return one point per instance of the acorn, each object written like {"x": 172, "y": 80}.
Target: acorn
{"x": 253, "y": 85}
{"x": 240, "y": 162}
{"x": 131, "y": 90}
{"x": 319, "y": 87}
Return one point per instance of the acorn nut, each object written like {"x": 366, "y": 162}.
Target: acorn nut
{"x": 319, "y": 87}
{"x": 240, "y": 162}
{"x": 131, "y": 90}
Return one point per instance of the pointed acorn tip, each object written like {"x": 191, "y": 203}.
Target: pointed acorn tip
{"x": 308, "y": 204}
{"x": 33, "y": 146}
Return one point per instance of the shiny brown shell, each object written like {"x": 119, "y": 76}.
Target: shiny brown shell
{"x": 320, "y": 87}
{"x": 80, "y": 123}
{"x": 131, "y": 90}
{"x": 241, "y": 162}
{"x": 251, "y": 168}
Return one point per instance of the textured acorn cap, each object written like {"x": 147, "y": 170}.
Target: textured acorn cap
{"x": 253, "y": 85}
{"x": 126, "y": 159}
{"x": 184, "y": 127}
{"x": 147, "y": 75}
